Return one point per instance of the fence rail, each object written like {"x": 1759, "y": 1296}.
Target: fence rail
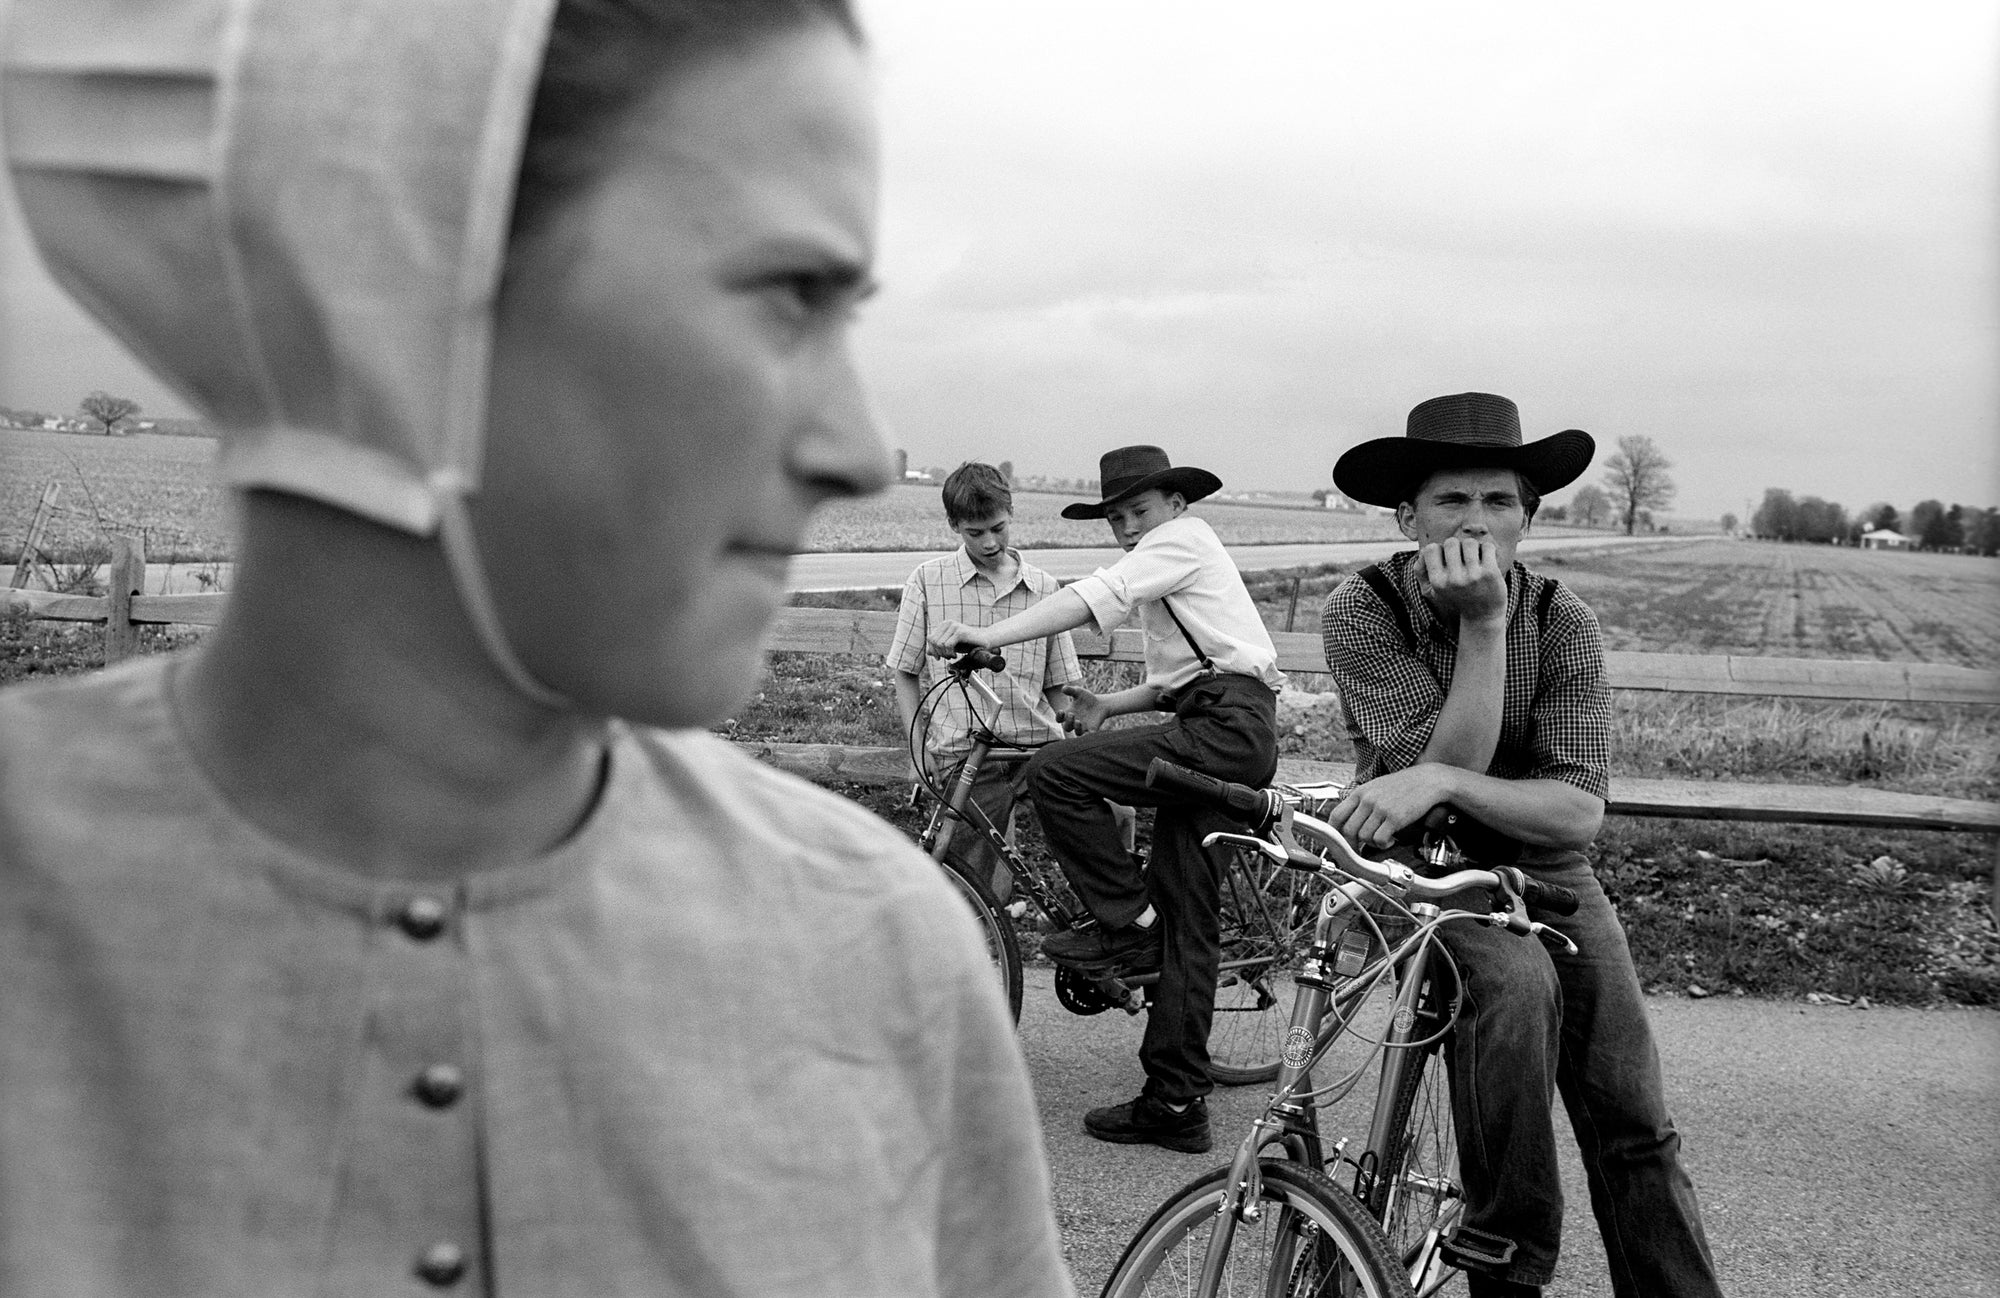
{"x": 859, "y": 633}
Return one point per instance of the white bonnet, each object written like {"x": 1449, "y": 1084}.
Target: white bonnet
{"x": 295, "y": 212}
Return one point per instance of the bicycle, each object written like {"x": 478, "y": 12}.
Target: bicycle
{"x": 1288, "y": 1215}
{"x": 1267, "y": 911}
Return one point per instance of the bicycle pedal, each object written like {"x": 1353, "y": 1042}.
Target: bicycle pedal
{"x": 1477, "y": 1250}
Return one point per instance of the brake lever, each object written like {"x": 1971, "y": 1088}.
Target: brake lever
{"x": 1553, "y": 936}
{"x": 1268, "y": 848}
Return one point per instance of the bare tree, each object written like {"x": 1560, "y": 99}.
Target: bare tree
{"x": 108, "y": 410}
{"x": 1636, "y": 473}
{"x": 1589, "y": 505}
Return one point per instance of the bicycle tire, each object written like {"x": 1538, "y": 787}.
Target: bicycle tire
{"x": 997, "y": 927}
{"x": 1311, "y": 1239}
{"x": 1416, "y": 1193}
{"x": 1267, "y": 916}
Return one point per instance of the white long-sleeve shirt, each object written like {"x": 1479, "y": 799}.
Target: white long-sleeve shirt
{"x": 1182, "y": 560}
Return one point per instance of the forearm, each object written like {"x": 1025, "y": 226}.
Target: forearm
{"x": 908, "y": 696}
{"x": 1467, "y": 733}
{"x": 1139, "y": 698}
{"x": 1546, "y": 813}
{"x": 1062, "y": 611}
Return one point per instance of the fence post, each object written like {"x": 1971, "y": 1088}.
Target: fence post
{"x": 1293, "y": 612}
{"x": 32, "y": 545}
{"x": 127, "y": 578}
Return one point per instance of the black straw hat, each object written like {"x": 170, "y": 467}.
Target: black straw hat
{"x": 1131, "y": 469}
{"x": 1472, "y": 430}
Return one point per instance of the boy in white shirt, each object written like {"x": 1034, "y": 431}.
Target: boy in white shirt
{"x": 1210, "y": 662}
{"x": 980, "y": 583}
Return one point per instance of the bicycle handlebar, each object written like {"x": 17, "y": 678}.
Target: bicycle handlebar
{"x": 1264, "y": 807}
{"x": 1258, "y": 806}
{"x": 975, "y": 658}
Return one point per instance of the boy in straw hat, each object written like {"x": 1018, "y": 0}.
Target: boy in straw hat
{"x": 1210, "y": 662}
{"x": 1469, "y": 680}
{"x": 411, "y": 935}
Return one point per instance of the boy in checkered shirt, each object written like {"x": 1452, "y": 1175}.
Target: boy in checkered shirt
{"x": 981, "y": 582}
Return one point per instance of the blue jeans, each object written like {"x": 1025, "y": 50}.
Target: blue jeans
{"x": 1535, "y": 1022}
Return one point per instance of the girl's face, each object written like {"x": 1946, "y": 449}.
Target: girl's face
{"x": 1138, "y": 514}
{"x": 673, "y": 390}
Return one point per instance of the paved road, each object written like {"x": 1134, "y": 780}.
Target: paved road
{"x": 824, "y": 571}
{"x": 874, "y": 570}
{"x": 1838, "y": 1152}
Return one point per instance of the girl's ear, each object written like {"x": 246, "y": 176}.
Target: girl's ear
{"x": 1178, "y": 501}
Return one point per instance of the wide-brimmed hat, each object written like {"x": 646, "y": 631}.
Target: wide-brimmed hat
{"x": 1470, "y": 430}
{"x": 1130, "y": 470}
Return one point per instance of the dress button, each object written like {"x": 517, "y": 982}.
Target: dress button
{"x": 442, "y": 1264}
{"x": 439, "y": 1086}
{"x": 422, "y": 918}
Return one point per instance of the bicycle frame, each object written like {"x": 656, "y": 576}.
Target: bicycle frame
{"x": 1329, "y": 995}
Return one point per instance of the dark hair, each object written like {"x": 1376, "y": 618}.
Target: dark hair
{"x": 605, "y": 57}
{"x": 976, "y": 490}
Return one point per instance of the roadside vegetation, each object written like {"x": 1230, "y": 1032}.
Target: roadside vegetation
{"x": 1713, "y": 908}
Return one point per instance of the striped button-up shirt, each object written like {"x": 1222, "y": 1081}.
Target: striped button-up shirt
{"x": 1556, "y": 719}
{"x": 950, "y": 588}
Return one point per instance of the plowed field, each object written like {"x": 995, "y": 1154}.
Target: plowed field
{"x": 1802, "y": 601}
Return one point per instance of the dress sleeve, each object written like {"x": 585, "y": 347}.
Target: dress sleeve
{"x": 997, "y": 1235}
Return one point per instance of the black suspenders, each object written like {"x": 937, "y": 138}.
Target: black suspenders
{"x": 1385, "y": 590}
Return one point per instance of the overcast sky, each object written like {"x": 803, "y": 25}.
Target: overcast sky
{"x": 1258, "y": 231}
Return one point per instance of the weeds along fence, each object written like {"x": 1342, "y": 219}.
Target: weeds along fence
{"x": 866, "y": 634}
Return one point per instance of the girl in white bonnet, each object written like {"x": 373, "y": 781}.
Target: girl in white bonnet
{"x": 408, "y": 935}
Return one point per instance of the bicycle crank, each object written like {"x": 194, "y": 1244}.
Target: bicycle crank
{"x": 1086, "y": 994}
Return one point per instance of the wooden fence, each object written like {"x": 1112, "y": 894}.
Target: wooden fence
{"x": 867, "y": 634}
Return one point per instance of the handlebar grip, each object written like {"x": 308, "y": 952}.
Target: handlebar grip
{"x": 982, "y": 659}
{"x": 1551, "y": 897}
{"x": 1246, "y": 802}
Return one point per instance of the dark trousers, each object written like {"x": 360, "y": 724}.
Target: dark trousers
{"x": 1534, "y": 1023}
{"x": 1225, "y": 726}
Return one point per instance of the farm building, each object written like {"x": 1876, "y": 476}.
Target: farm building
{"x": 1884, "y": 538}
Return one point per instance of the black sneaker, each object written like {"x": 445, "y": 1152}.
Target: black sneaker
{"x": 1101, "y": 950}
{"x": 1147, "y": 1120}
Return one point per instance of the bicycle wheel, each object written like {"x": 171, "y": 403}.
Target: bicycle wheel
{"x": 1416, "y": 1194}
{"x": 1311, "y": 1240}
{"x": 997, "y": 926}
{"x": 1267, "y": 919}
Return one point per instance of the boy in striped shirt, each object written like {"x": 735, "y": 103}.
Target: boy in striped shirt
{"x": 978, "y": 584}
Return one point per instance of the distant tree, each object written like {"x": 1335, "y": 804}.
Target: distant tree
{"x": 1728, "y": 522}
{"x": 1933, "y": 527}
{"x": 1820, "y": 520}
{"x": 1777, "y": 517}
{"x": 1590, "y": 505}
{"x": 108, "y": 410}
{"x": 1982, "y": 531}
{"x": 1879, "y": 516}
{"x": 1636, "y": 475}
{"x": 1007, "y": 471}
{"x": 1555, "y": 513}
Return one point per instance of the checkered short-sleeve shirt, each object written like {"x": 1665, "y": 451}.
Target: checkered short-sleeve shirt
{"x": 1556, "y": 718}
{"x": 950, "y": 588}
